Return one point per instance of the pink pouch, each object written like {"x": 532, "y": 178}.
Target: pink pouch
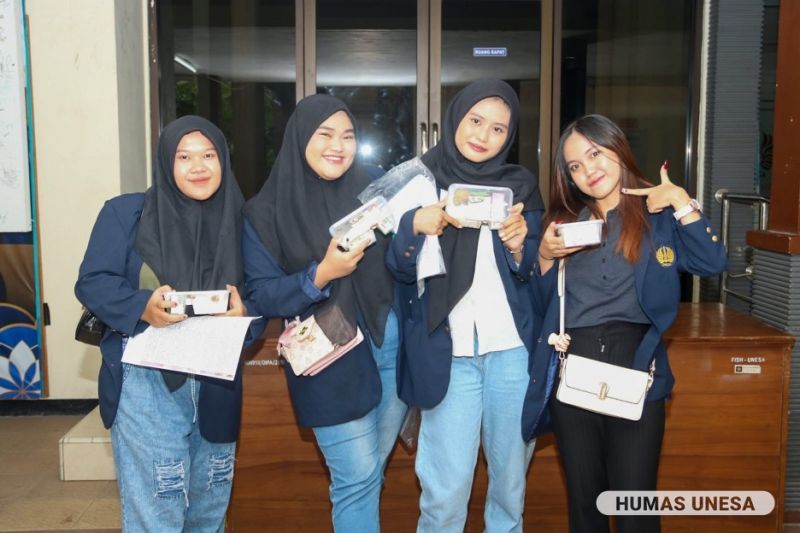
{"x": 308, "y": 350}
{"x": 334, "y": 355}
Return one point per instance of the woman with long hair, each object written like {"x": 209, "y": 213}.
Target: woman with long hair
{"x": 620, "y": 298}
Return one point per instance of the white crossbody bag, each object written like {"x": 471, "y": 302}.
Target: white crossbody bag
{"x": 596, "y": 386}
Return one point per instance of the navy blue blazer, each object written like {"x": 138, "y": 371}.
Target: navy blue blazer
{"x": 346, "y": 390}
{"x": 424, "y": 364}
{"x": 671, "y": 248}
{"x": 108, "y": 285}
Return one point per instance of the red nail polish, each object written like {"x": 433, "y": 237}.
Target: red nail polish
{"x": 666, "y": 165}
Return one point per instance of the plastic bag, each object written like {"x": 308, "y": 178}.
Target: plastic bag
{"x": 398, "y": 177}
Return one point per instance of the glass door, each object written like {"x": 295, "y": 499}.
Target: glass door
{"x": 490, "y": 39}
{"x": 367, "y": 54}
{"x": 633, "y": 62}
{"x": 398, "y": 63}
{"x": 234, "y": 64}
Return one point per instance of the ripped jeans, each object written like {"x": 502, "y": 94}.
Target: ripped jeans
{"x": 170, "y": 478}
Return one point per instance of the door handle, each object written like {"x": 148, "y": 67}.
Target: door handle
{"x": 435, "y": 133}
{"x": 423, "y": 132}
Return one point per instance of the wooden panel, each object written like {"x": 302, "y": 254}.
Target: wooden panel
{"x": 725, "y": 431}
{"x": 784, "y": 216}
{"x": 700, "y": 323}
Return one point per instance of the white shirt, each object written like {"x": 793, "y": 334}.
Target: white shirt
{"x": 484, "y": 308}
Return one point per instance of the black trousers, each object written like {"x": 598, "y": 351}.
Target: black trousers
{"x": 600, "y": 452}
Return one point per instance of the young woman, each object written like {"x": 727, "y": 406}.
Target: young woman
{"x": 173, "y": 434}
{"x": 293, "y": 267}
{"x": 467, "y": 339}
{"x": 621, "y": 296}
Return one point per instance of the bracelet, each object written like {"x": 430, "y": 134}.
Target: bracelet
{"x": 546, "y": 258}
{"x": 521, "y": 247}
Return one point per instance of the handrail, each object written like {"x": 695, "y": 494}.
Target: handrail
{"x": 725, "y": 197}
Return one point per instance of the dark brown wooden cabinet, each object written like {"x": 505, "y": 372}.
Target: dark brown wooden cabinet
{"x": 726, "y": 430}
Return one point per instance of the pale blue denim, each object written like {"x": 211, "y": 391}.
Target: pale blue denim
{"x": 356, "y": 452}
{"x": 483, "y": 406}
{"x": 170, "y": 478}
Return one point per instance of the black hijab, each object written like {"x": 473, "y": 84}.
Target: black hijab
{"x": 295, "y": 207}
{"x": 459, "y": 246}
{"x": 191, "y": 244}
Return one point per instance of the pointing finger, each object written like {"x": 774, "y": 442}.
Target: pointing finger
{"x": 450, "y": 220}
{"x": 664, "y": 174}
{"x": 637, "y": 192}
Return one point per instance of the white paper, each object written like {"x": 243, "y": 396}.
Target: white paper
{"x": 430, "y": 261}
{"x": 15, "y": 187}
{"x": 205, "y": 345}
{"x": 419, "y": 192}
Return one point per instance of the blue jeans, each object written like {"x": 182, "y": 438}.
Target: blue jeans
{"x": 483, "y": 405}
{"x": 356, "y": 452}
{"x": 169, "y": 477}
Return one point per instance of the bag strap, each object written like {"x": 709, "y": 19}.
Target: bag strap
{"x": 561, "y": 296}
{"x": 562, "y": 265}
{"x": 562, "y": 283}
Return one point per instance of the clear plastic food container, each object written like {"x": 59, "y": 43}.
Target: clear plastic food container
{"x": 587, "y": 233}
{"x": 475, "y": 205}
{"x": 201, "y": 302}
{"x": 360, "y": 225}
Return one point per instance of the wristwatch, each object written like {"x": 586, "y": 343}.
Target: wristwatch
{"x": 692, "y": 206}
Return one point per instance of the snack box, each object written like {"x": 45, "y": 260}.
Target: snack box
{"x": 360, "y": 225}
{"x": 202, "y": 302}
{"x": 475, "y": 205}
{"x": 587, "y": 233}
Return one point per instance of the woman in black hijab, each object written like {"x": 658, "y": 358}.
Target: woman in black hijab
{"x": 173, "y": 434}
{"x": 293, "y": 267}
{"x": 467, "y": 339}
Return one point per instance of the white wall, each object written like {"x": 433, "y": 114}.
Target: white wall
{"x": 90, "y": 117}
{"x": 133, "y": 111}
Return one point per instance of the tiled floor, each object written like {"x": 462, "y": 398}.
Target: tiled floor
{"x": 32, "y": 498}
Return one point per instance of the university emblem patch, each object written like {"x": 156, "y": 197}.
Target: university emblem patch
{"x": 665, "y": 256}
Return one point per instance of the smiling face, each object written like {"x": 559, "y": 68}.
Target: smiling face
{"x": 594, "y": 169}
{"x": 197, "y": 170}
{"x": 483, "y": 131}
{"x": 332, "y": 147}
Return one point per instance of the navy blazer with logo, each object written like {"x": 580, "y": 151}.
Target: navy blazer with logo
{"x": 108, "y": 285}
{"x": 423, "y": 369}
{"x": 670, "y": 248}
